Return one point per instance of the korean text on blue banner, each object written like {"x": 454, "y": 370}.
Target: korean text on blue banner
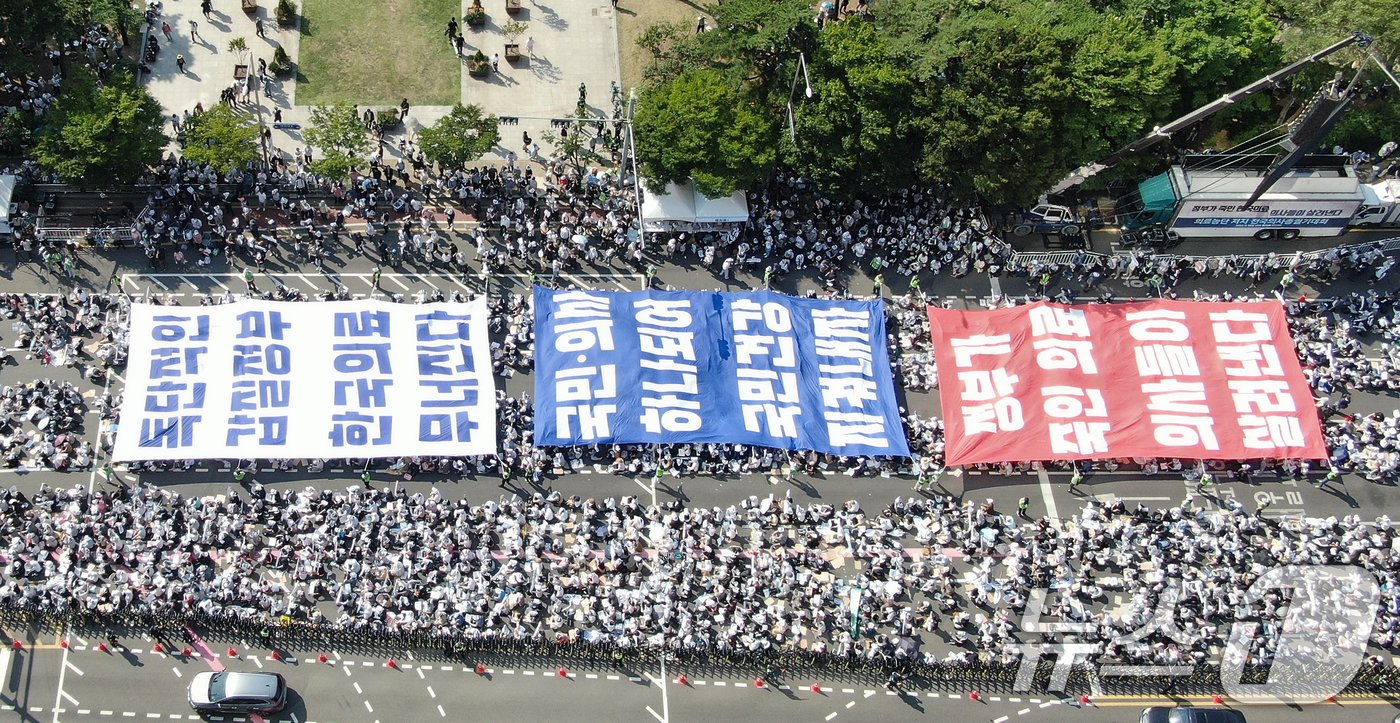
{"x": 756, "y": 368}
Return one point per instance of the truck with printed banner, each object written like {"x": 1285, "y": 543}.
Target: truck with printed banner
{"x": 1205, "y": 197}
{"x": 1248, "y": 191}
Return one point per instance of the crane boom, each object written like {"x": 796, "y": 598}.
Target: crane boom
{"x": 1164, "y": 132}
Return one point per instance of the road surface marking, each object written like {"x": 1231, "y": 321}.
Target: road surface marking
{"x": 369, "y": 707}
{"x": 1048, "y": 495}
{"x": 431, "y": 694}
{"x": 829, "y": 717}
{"x": 442, "y": 712}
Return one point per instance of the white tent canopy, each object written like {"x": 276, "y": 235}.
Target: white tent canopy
{"x": 730, "y": 209}
{"x": 677, "y": 204}
{"x": 682, "y": 207}
{"x": 7, "y": 191}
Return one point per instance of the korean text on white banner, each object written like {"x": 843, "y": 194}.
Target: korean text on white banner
{"x": 264, "y": 379}
{"x": 685, "y": 366}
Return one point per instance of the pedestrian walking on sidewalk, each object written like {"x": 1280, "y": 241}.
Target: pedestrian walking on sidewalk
{"x": 180, "y": 61}
{"x": 165, "y": 28}
{"x": 194, "y": 31}
{"x": 262, "y": 32}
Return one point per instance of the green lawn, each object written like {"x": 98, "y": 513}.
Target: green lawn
{"x": 377, "y": 52}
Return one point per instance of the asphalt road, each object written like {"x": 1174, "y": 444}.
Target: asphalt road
{"x": 130, "y": 681}
{"x": 82, "y": 683}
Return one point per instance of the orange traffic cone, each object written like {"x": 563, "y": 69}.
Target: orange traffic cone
{"x": 562, "y": 672}
{"x": 1217, "y": 700}
{"x": 103, "y": 648}
{"x": 758, "y": 682}
{"x": 187, "y": 652}
{"x": 393, "y": 664}
{"x": 17, "y": 645}
{"x": 974, "y": 695}
{"x": 276, "y": 655}
{"x": 1084, "y": 700}
{"x": 682, "y": 680}
{"x": 63, "y": 644}
{"x": 233, "y": 652}
{"x": 816, "y": 689}
{"x": 157, "y": 648}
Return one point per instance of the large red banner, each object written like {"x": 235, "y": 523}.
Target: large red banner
{"x": 1143, "y": 379}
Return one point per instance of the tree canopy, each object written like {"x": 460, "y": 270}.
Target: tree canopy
{"x": 998, "y": 99}
{"x": 221, "y": 137}
{"x": 342, "y": 138}
{"x": 465, "y": 134}
{"x": 861, "y": 127}
{"x": 698, "y": 126}
{"x": 100, "y": 135}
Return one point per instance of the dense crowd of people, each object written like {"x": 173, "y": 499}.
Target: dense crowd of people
{"x": 762, "y": 575}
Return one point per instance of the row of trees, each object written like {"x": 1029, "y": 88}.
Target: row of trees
{"x": 228, "y": 138}
{"x": 108, "y": 133}
{"x": 999, "y": 98}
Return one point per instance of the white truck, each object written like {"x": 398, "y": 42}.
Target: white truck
{"x": 1205, "y": 196}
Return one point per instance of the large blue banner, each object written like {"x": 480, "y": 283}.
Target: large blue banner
{"x": 689, "y": 366}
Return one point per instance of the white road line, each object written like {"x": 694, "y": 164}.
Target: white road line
{"x": 1046, "y": 493}
{"x": 309, "y": 282}
{"x": 358, "y": 691}
{"x": 62, "y": 675}
{"x": 69, "y": 698}
{"x": 850, "y": 705}
{"x": 996, "y": 285}
{"x": 832, "y": 715}
{"x": 369, "y": 707}
{"x": 394, "y": 278}
{"x": 1002, "y": 719}
{"x": 1023, "y": 711}
{"x": 178, "y": 674}
{"x": 431, "y": 694}
{"x": 442, "y": 712}
{"x": 73, "y": 667}
{"x": 614, "y": 677}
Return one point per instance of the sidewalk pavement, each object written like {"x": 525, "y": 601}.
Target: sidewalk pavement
{"x": 574, "y": 42}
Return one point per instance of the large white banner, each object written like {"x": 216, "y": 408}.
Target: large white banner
{"x": 305, "y": 380}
